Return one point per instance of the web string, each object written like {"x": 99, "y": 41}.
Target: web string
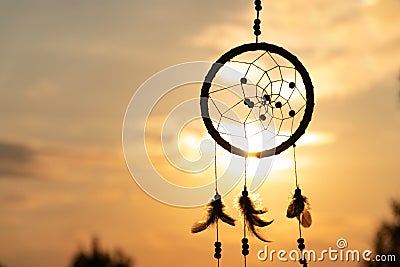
{"x": 268, "y": 112}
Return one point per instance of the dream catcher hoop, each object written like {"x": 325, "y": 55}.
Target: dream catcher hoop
{"x": 272, "y": 100}
{"x": 266, "y": 96}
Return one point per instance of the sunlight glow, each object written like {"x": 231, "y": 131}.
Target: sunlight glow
{"x": 282, "y": 163}
{"x": 369, "y": 2}
{"x": 315, "y": 139}
{"x": 189, "y": 145}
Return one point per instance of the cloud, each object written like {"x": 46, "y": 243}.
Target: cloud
{"x": 15, "y": 152}
{"x": 68, "y": 71}
{"x": 345, "y": 45}
{"x": 15, "y": 160}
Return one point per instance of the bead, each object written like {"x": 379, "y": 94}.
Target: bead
{"x": 300, "y": 240}
{"x": 262, "y": 117}
{"x": 217, "y": 255}
{"x": 257, "y": 2}
{"x": 303, "y": 261}
{"x": 297, "y": 192}
{"x": 245, "y": 193}
{"x": 292, "y": 85}
{"x": 267, "y": 97}
{"x": 217, "y": 244}
{"x": 292, "y": 113}
{"x": 278, "y": 104}
{"x": 251, "y": 104}
{"x": 258, "y": 8}
{"x": 245, "y": 245}
{"x": 243, "y": 80}
{"x": 218, "y": 250}
{"x": 301, "y": 246}
{"x": 257, "y": 32}
{"x": 257, "y": 21}
{"x": 256, "y": 27}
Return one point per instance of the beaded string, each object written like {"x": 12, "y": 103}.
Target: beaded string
{"x": 257, "y": 21}
{"x": 217, "y": 243}
{"x": 300, "y": 240}
{"x": 245, "y": 240}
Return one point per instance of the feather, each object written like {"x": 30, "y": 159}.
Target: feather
{"x": 215, "y": 211}
{"x": 299, "y": 208}
{"x": 250, "y": 214}
{"x": 305, "y": 218}
{"x": 297, "y": 205}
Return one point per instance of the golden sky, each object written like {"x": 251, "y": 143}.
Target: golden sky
{"x": 69, "y": 68}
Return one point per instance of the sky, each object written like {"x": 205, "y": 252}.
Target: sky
{"x": 68, "y": 70}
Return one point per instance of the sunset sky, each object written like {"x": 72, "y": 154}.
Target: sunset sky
{"x": 68, "y": 70}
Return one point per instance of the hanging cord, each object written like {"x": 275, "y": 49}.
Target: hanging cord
{"x": 245, "y": 245}
{"x": 257, "y": 21}
{"x": 300, "y": 229}
{"x": 245, "y": 188}
{"x": 245, "y": 172}
{"x": 217, "y": 244}
{"x": 295, "y": 175}
{"x": 300, "y": 240}
{"x": 295, "y": 165}
{"x": 215, "y": 168}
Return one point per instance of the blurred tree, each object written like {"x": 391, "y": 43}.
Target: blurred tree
{"x": 98, "y": 258}
{"x": 387, "y": 239}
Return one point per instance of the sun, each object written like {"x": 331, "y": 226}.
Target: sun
{"x": 189, "y": 145}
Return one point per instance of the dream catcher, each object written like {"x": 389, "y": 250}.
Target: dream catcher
{"x": 261, "y": 112}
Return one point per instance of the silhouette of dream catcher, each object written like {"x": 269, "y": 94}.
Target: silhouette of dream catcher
{"x": 261, "y": 113}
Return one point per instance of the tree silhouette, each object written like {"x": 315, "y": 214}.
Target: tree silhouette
{"x": 387, "y": 239}
{"x": 98, "y": 258}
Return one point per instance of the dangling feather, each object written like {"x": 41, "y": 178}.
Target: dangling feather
{"x": 297, "y": 205}
{"x": 305, "y": 218}
{"x": 215, "y": 211}
{"x": 250, "y": 214}
{"x": 299, "y": 208}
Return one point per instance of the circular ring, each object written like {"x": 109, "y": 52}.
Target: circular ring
{"x": 251, "y": 47}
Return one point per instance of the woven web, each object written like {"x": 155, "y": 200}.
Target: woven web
{"x": 261, "y": 102}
